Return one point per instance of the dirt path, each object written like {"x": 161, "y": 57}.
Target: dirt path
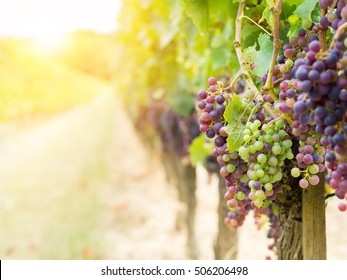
{"x": 81, "y": 185}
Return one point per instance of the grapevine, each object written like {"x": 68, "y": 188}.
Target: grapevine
{"x": 289, "y": 123}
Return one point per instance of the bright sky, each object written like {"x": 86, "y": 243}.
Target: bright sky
{"x": 40, "y": 18}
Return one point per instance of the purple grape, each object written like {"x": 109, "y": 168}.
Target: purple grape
{"x": 299, "y": 107}
{"x": 323, "y": 4}
{"x": 202, "y": 94}
{"x": 210, "y": 133}
{"x": 304, "y": 119}
{"x": 201, "y": 105}
{"x": 339, "y": 139}
{"x": 219, "y": 141}
{"x": 318, "y": 65}
{"x": 330, "y": 157}
{"x": 302, "y": 32}
{"x": 212, "y": 81}
{"x": 343, "y": 95}
{"x": 306, "y": 85}
{"x": 214, "y": 115}
{"x": 342, "y": 168}
{"x": 220, "y": 99}
{"x": 291, "y": 93}
{"x": 301, "y": 74}
{"x": 217, "y": 126}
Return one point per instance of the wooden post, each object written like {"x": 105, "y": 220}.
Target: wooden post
{"x": 314, "y": 227}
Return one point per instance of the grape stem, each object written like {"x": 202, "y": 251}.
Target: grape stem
{"x": 277, "y": 43}
{"x": 257, "y": 24}
{"x": 233, "y": 82}
{"x": 323, "y": 33}
{"x": 337, "y": 35}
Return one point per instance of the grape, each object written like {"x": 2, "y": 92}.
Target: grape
{"x": 303, "y": 183}
{"x": 210, "y": 133}
{"x": 202, "y": 94}
{"x": 210, "y": 99}
{"x": 300, "y": 107}
{"x": 295, "y": 172}
{"x": 314, "y": 180}
{"x": 220, "y": 99}
{"x": 323, "y": 4}
{"x": 342, "y": 207}
{"x": 212, "y": 81}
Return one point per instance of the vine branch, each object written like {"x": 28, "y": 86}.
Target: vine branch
{"x": 257, "y": 24}
{"x": 237, "y": 46}
{"x": 277, "y": 44}
{"x": 337, "y": 35}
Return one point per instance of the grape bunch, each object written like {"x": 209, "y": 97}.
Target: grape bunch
{"x": 305, "y": 129}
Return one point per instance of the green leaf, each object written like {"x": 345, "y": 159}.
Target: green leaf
{"x": 293, "y": 2}
{"x": 199, "y": 150}
{"x": 197, "y": 10}
{"x": 305, "y": 9}
{"x": 293, "y": 30}
{"x": 234, "y": 128}
{"x": 258, "y": 61}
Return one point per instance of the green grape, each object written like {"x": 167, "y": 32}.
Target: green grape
{"x": 261, "y": 158}
{"x": 226, "y": 157}
{"x": 279, "y": 123}
{"x": 276, "y": 149}
{"x": 251, "y": 183}
{"x": 256, "y": 134}
{"x": 253, "y": 175}
{"x": 265, "y": 179}
{"x": 295, "y": 172}
{"x": 268, "y": 138}
{"x": 273, "y": 161}
{"x": 270, "y": 132}
{"x": 257, "y": 166}
{"x": 253, "y": 127}
{"x": 268, "y": 186}
{"x": 259, "y": 145}
{"x": 230, "y": 168}
{"x": 260, "y": 194}
{"x": 287, "y": 143}
{"x": 289, "y": 63}
{"x": 272, "y": 170}
{"x": 253, "y": 149}
{"x": 313, "y": 169}
{"x": 257, "y": 123}
{"x": 290, "y": 155}
{"x": 282, "y": 134}
{"x": 247, "y": 138}
{"x": 244, "y": 178}
{"x": 260, "y": 173}
{"x": 278, "y": 176}
{"x": 258, "y": 202}
{"x": 275, "y": 137}
{"x": 240, "y": 196}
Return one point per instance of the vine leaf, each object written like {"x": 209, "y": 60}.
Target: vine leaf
{"x": 305, "y": 9}
{"x": 197, "y": 10}
{"x": 235, "y": 127}
{"x": 258, "y": 61}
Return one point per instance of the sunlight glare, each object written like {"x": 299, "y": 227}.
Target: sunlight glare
{"x": 49, "y": 42}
